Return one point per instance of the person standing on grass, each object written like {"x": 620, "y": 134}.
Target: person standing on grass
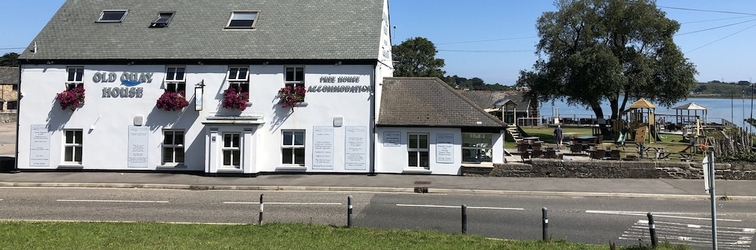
{"x": 558, "y": 135}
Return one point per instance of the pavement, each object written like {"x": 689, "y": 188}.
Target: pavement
{"x": 394, "y": 183}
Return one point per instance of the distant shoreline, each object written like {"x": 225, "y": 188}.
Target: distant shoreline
{"x": 718, "y": 96}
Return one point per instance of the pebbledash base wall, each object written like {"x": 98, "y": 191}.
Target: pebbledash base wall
{"x": 126, "y": 132}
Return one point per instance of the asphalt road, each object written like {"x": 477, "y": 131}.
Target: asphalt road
{"x": 587, "y": 220}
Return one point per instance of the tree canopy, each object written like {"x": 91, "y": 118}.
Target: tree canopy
{"x": 592, "y": 51}
{"x": 416, "y": 57}
{"x": 9, "y": 59}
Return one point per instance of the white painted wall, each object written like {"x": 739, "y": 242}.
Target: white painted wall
{"x": 105, "y": 146}
{"x": 394, "y": 159}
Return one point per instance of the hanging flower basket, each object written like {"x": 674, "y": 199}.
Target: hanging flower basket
{"x": 172, "y": 101}
{"x": 290, "y": 96}
{"x": 71, "y": 98}
{"x": 234, "y": 100}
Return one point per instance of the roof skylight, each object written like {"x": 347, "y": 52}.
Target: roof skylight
{"x": 162, "y": 20}
{"x": 112, "y": 16}
{"x": 242, "y": 19}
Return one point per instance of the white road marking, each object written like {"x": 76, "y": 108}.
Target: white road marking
{"x": 114, "y": 201}
{"x": 656, "y": 215}
{"x": 281, "y": 203}
{"x": 460, "y": 206}
{"x": 692, "y": 234}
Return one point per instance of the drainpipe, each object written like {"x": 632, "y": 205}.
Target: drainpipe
{"x": 372, "y": 122}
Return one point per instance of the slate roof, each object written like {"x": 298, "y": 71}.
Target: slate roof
{"x": 285, "y": 29}
{"x": 427, "y": 101}
{"x": 8, "y": 75}
{"x": 487, "y": 98}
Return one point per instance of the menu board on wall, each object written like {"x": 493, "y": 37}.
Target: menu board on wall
{"x": 355, "y": 148}
{"x": 139, "y": 140}
{"x": 444, "y": 148}
{"x": 39, "y": 147}
{"x": 392, "y": 139}
{"x": 322, "y": 148}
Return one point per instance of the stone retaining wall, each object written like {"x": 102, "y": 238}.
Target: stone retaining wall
{"x": 620, "y": 169}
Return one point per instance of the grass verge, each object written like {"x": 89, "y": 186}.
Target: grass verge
{"x": 143, "y": 235}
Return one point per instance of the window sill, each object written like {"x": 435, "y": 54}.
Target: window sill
{"x": 291, "y": 168}
{"x": 413, "y": 170}
{"x": 301, "y": 104}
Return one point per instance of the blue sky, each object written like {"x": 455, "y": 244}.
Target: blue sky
{"x": 494, "y": 39}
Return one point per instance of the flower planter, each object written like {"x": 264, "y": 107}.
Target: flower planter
{"x": 72, "y": 98}
{"x": 291, "y": 96}
{"x": 234, "y": 100}
{"x": 172, "y": 101}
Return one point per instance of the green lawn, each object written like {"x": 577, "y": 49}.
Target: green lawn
{"x": 82, "y": 235}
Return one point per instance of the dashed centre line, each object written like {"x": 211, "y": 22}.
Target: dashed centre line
{"x": 113, "y": 201}
{"x": 282, "y": 203}
{"x": 470, "y": 207}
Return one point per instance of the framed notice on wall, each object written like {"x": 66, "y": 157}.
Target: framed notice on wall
{"x": 39, "y": 146}
{"x": 138, "y": 147}
{"x": 392, "y": 139}
{"x": 355, "y": 148}
{"x": 444, "y": 148}
{"x": 322, "y": 148}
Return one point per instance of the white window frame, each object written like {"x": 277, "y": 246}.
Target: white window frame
{"x": 234, "y": 14}
{"x": 173, "y": 146}
{"x": 477, "y": 148}
{"x": 240, "y": 84}
{"x": 102, "y": 14}
{"x": 294, "y": 146}
{"x": 172, "y": 83}
{"x": 294, "y": 82}
{"x": 77, "y": 73}
{"x": 75, "y": 146}
{"x": 418, "y": 151}
{"x": 234, "y": 150}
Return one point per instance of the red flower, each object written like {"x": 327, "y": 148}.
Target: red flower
{"x": 172, "y": 101}
{"x": 71, "y": 98}
{"x": 234, "y": 100}
{"x": 290, "y": 96}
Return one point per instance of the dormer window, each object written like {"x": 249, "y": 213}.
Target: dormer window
{"x": 162, "y": 20}
{"x": 112, "y": 16}
{"x": 242, "y": 19}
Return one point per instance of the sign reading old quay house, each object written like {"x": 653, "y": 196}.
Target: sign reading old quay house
{"x": 129, "y": 79}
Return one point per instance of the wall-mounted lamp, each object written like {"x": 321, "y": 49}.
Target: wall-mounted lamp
{"x": 199, "y": 92}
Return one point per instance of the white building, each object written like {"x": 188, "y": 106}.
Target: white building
{"x": 126, "y": 54}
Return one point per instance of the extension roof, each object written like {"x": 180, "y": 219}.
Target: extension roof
{"x": 284, "y": 29}
{"x": 429, "y": 102}
{"x": 9, "y": 75}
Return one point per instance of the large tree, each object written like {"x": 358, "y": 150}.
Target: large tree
{"x": 591, "y": 51}
{"x": 416, "y": 57}
{"x": 9, "y": 59}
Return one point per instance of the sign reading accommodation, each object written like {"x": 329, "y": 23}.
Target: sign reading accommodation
{"x": 39, "y": 148}
{"x": 444, "y": 148}
{"x": 355, "y": 148}
{"x": 322, "y": 148}
{"x": 139, "y": 140}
